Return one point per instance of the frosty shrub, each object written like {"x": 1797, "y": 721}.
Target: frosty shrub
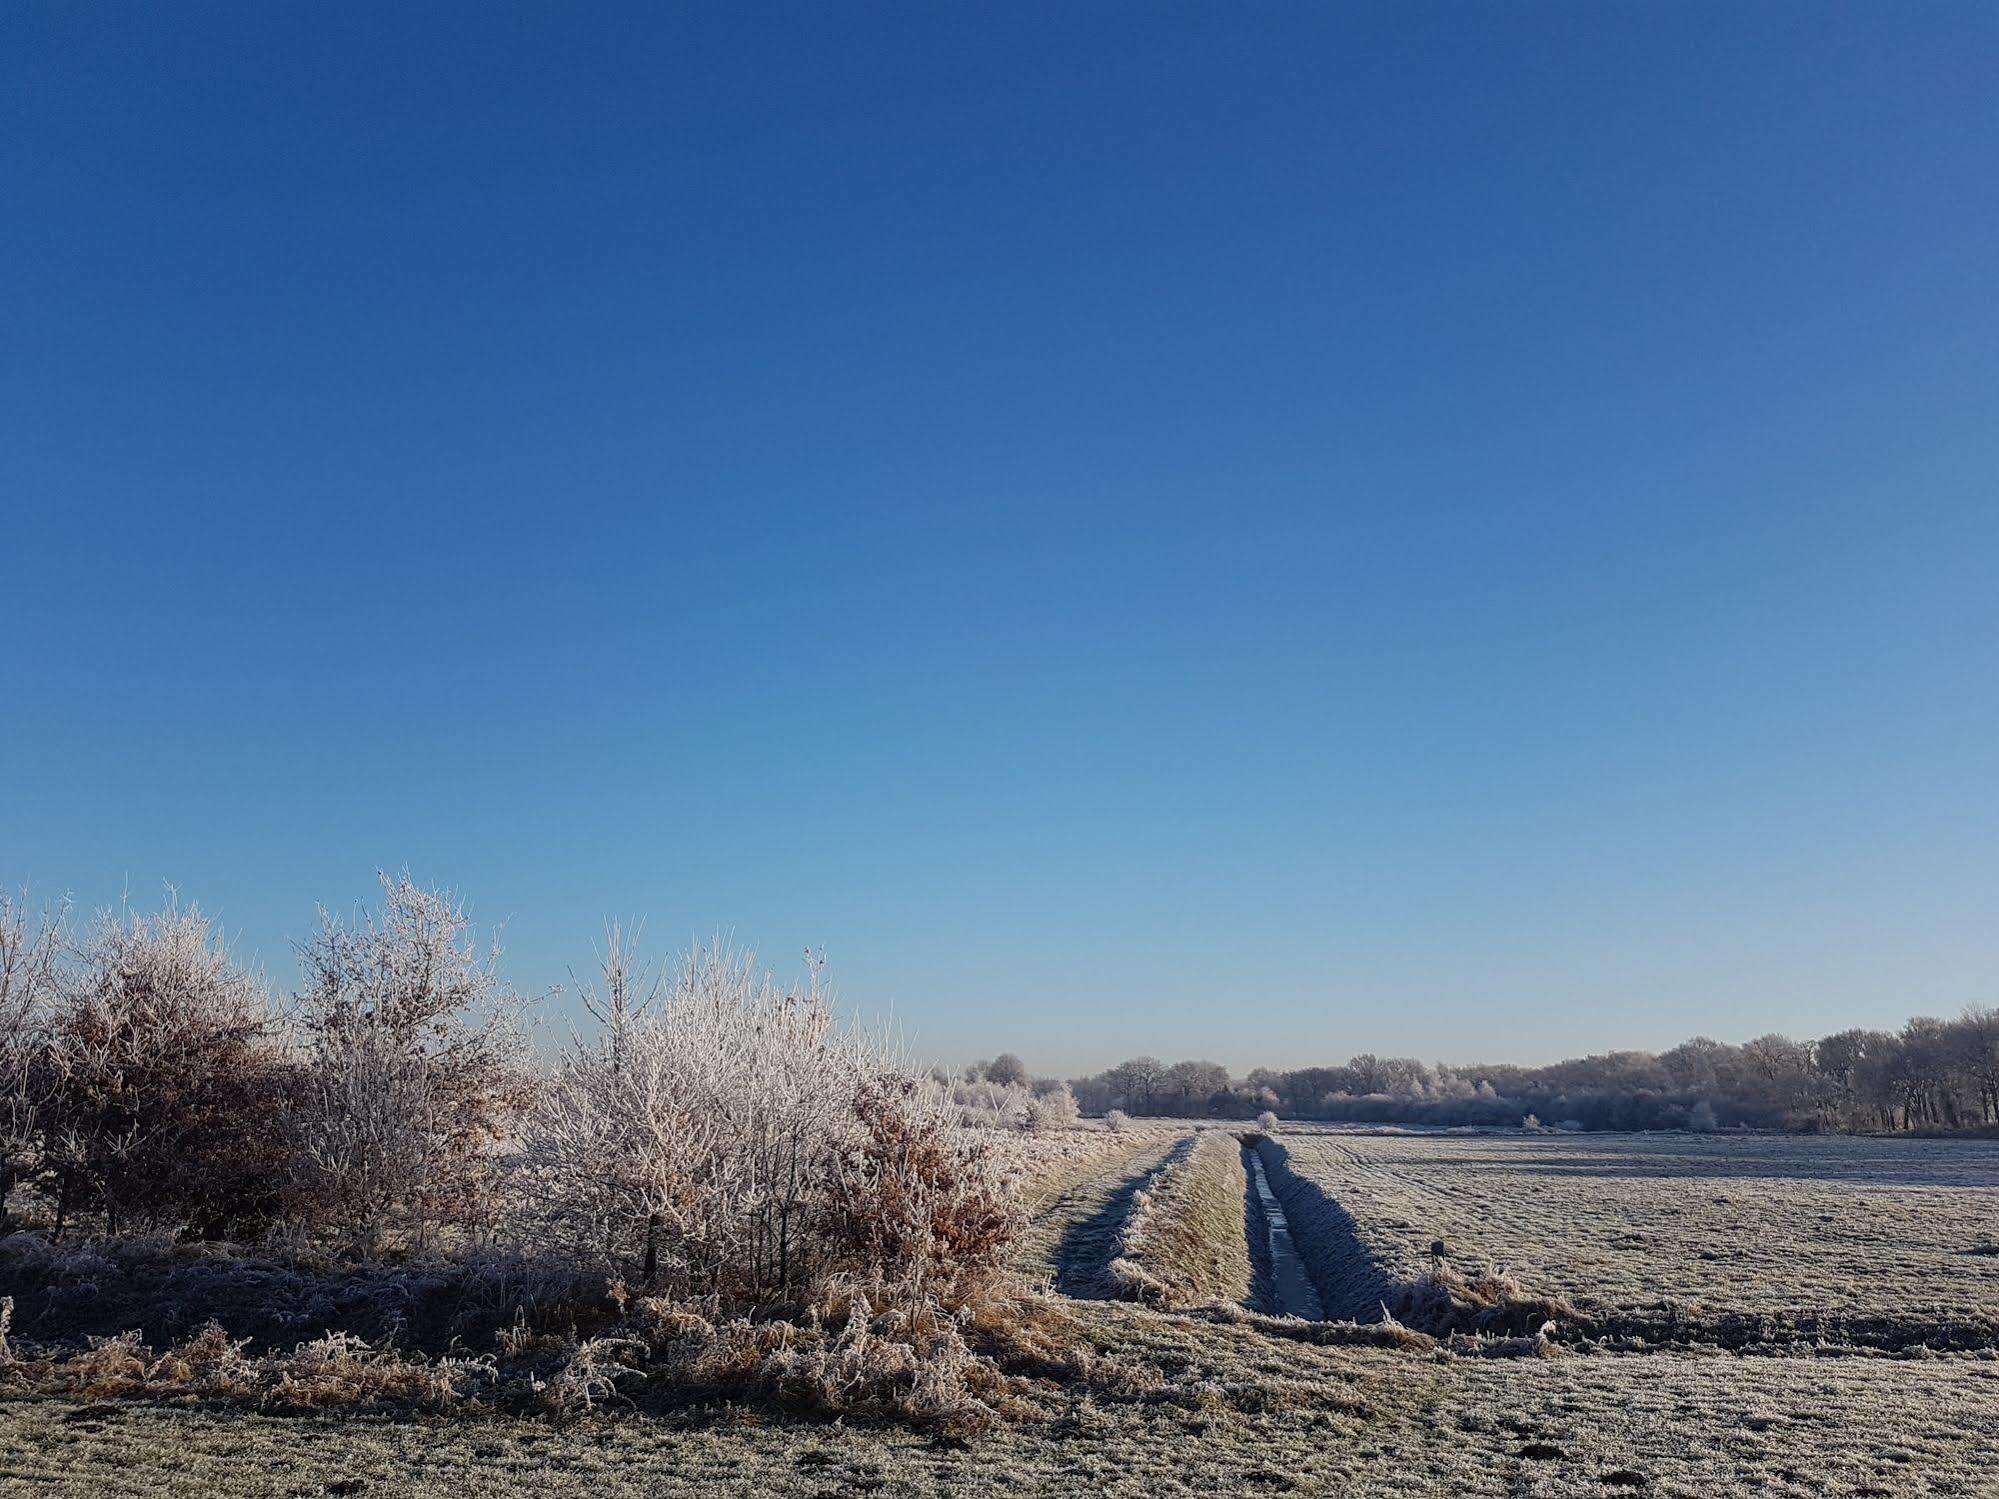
{"x": 1052, "y": 1110}
{"x": 921, "y": 1211}
{"x": 1267, "y": 1122}
{"x": 414, "y": 1071}
{"x": 993, "y": 1105}
{"x": 161, "y": 1086}
{"x": 734, "y": 1142}
{"x": 722, "y": 1186}
{"x": 31, "y": 947}
{"x": 685, "y": 1143}
{"x": 1117, "y": 1121}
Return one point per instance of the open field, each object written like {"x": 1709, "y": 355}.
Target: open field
{"x": 1765, "y": 1225}
{"x": 1207, "y": 1399}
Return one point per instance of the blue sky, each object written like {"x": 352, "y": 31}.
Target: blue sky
{"x": 1259, "y": 531}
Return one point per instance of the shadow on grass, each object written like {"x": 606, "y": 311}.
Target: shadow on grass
{"x": 1256, "y": 1229}
{"x": 1089, "y": 1244}
{"x": 1352, "y": 1284}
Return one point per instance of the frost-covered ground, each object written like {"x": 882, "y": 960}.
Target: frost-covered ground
{"x": 1185, "y": 1403}
{"x": 1759, "y": 1223}
{"x": 1236, "y": 1412}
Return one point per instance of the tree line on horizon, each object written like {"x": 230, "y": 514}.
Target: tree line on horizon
{"x": 1932, "y": 1074}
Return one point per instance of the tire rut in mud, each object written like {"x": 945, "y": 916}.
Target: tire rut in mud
{"x": 1089, "y": 1244}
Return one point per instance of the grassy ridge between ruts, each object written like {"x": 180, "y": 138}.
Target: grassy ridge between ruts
{"x": 1182, "y": 1244}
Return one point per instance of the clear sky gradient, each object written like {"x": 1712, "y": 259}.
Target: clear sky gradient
{"x": 1249, "y": 530}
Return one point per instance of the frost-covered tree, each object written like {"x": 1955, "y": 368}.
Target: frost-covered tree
{"x": 1007, "y": 1070}
{"x": 1975, "y": 1053}
{"x": 161, "y": 1080}
{"x": 737, "y": 1142}
{"x": 1053, "y": 1109}
{"x": 686, "y": 1144}
{"x": 414, "y": 1070}
{"x": 31, "y": 948}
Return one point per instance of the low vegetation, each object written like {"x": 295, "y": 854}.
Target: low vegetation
{"x": 721, "y": 1188}
{"x": 1182, "y": 1242}
{"x": 1210, "y": 1409}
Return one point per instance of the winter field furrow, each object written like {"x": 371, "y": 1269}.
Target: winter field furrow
{"x": 1716, "y": 1224}
{"x": 1080, "y": 1186}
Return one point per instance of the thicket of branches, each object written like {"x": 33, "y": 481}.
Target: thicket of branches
{"x": 725, "y": 1138}
{"x": 148, "y": 1081}
{"x": 1931, "y": 1075}
{"x": 140, "y": 1079}
{"x": 719, "y": 1149}
{"x": 1002, "y": 1094}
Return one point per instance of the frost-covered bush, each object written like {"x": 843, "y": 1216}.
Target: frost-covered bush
{"x": 685, "y": 1143}
{"x": 414, "y": 1071}
{"x": 31, "y": 947}
{"x": 805, "y": 1217}
{"x": 1117, "y": 1121}
{"x": 920, "y": 1212}
{"x": 735, "y": 1142}
{"x": 160, "y": 1082}
{"x": 1267, "y": 1122}
{"x": 1052, "y": 1110}
{"x": 992, "y": 1105}
{"x": 802, "y": 1215}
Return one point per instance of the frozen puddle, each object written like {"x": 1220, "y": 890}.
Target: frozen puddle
{"x": 1293, "y": 1288}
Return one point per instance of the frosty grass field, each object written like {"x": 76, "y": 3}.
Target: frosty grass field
{"x": 1750, "y": 1314}
{"x": 1779, "y": 1224}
